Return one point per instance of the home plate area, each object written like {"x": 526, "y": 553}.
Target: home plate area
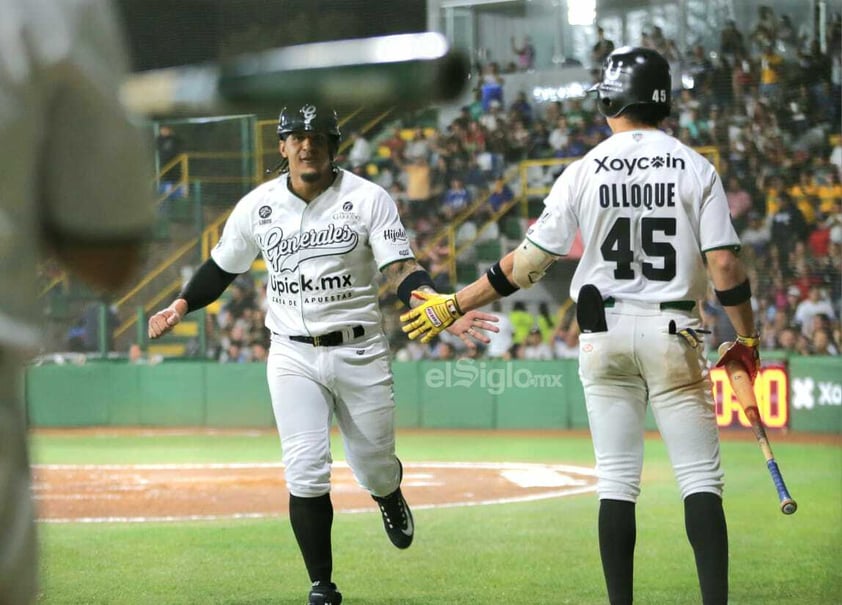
{"x": 164, "y": 492}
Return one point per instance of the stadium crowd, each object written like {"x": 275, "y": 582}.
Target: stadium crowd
{"x": 768, "y": 100}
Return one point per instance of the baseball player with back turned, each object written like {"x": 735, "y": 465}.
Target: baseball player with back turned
{"x": 652, "y": 214}
{"x": 323, "y": 233}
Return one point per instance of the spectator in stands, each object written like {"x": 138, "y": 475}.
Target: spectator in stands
{"x": 418, "y": 147}
{"x": 566, "y": 340}
{"x": 522, "y": 322}
{"x": 525, "y": 54}
{"x": 412, "y": 350}
{"x": 756, "y": 233}
{"x": 396, "y": 145}
{"x": 522, "y": 109}
{"x": 699, "y": 67}
{"x": 731, "y": 43}
{"x": 501, "y": 194}
{"x": 786, "y": 34}
{"x": 788, "y": 340}
{"x": 534, "y": 346}
{"x": 502, "y": 341}
{"x": 545, "y": 322}
{"x": 803, "y": 345}
{"x": 417, "y": 175}
{"x": 360, "y": 151}
{"x": 739, "y": 203}
{"x": 258, "y": 351}
{"x": 788, "y": 225}
{"x": 517, "y": 139}
{"x": 539, "y": 142}
{"x": 491, "y": 86}
{"x": 474, "y": 141}
{"x": 765, "y": 31}
{"x": 601, "y": 49}
{"x": 493, "y": 120}
{"x": 823, "y": 344}
{"x": 560, "y": 135}
{"x": 815, "y": 304}
{"x": 442, "y": 350}
{"x": 771, "y": 75}
{"x": 456, "y": 199}
{"x": 829, "y": 192}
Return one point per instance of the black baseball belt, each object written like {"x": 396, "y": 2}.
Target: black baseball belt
{"x": 678, "y": 305}
{"x": 332, "y": 339}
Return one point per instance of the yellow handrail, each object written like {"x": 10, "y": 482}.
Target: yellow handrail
{"x": 207, "y": 240}
{"x": 160, "y": 268}
{"x": 62, "y": 278}
{"x": 150, "y": 304}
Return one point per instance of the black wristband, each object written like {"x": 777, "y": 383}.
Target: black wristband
{"x": 207, "y": 284}
{"x": 734, "y": 296}
{"x": 411, "y": 282}
{"x": 499, "y": 281}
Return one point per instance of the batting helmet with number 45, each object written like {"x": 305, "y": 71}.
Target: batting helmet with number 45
{"x": 633, "y": 75}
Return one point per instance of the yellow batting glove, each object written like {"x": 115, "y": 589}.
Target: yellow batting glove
{"x": 432, "y": 317}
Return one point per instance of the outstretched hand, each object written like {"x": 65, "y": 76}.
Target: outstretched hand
{"x": 472, "y": 326}
{"x": 440, "y": 312}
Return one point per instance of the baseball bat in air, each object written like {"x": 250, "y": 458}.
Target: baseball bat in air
{"x": 744, "y": 392}
{"x": 413, "y": 69}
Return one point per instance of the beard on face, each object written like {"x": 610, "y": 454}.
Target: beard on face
{"x": 311, "y": 177}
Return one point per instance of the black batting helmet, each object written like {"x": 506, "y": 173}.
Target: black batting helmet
{"x": 309, "y": 118}
{"x": 633, "y": 75}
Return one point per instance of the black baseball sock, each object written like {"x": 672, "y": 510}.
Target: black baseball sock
{"x": 311, "y": 520}
{"x": 617, "y": 535}
{"x": 704, "y": 521}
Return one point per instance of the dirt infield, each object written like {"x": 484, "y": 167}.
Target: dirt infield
{"x": 137, "y": 493}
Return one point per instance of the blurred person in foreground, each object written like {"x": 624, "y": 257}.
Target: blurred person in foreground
{"x": 636, "y": 287}
{"x": 76, "y": 183}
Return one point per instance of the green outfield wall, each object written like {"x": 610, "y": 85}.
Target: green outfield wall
{"x": 803, "y": 394}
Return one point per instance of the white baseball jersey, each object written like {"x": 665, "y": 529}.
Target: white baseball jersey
{"x": 321, "y": 257}
{"x": 647, "y": 206}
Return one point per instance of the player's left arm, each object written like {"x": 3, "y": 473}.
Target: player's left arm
{"x": 521, "y": 268}
{"x": 414, "y": 287}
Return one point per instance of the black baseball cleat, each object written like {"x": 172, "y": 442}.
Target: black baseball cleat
{"x": 397, "y": 518}
{"x": 324, "y": 593}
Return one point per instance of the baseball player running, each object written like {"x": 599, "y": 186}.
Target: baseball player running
{"x": 323, "y": 233}
{"x": 652, "y": 213}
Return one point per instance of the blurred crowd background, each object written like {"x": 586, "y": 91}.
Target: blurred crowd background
{"x": 765, "y": 97}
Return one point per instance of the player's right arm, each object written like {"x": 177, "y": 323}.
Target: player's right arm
{"x": 232, "y": 255}
{"x": 206, "y": 285}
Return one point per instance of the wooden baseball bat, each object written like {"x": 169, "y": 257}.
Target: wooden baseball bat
{"x": 411, "y": 69}
{"x": 744, "y": 392}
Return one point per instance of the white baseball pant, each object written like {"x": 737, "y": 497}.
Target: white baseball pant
{"x": 638, "y": 361}
{"x": 353, "y": 381}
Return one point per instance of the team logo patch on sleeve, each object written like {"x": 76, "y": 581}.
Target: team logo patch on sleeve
{"x": 396, "y": 236}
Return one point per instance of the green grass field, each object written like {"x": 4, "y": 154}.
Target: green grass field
{"x": 526, "y": 553}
